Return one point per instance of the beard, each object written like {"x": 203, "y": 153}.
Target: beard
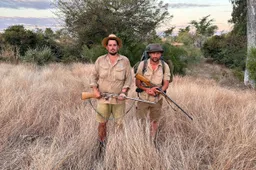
{"x": 155, "y": 60}
{"x": 112, "y": 53}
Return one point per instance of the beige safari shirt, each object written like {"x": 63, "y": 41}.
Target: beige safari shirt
{"x": 111, "y": 78}
{"x": 155, "y": 76}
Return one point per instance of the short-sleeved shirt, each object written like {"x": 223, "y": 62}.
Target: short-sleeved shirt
{"x": 111, "y": 78}
{"x": 155, "y": 76}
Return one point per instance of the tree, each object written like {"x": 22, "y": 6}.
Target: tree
{"x": 183, "y": 30}
{"x": 19, "y": 38}
{"x": 204, "y": 26}
{"x": 132, "y": 20}
{"x": 204, "y": 29}
{"x": 251, "y": 41}
{"x": 168, "y": 32}
{"x": 239, "y": 17}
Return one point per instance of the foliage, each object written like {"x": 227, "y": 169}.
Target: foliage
{"x": 204, "y": 26}
{"x": 40, "y": 55}
{"x": 227, "y": 49}
{"x": 177, "y": 56}
{"x": 251, "y": 63}
{"x": 131, "y": 20}
{"x": 168, "y": 32}
{"x": 186, "y": 38}
{"x": 91, "y": 54}
{"x": 204, "y": 29}
{"x": 186, "y": 29}
{"x": 239, "y": 17}
{"x": 133, "y": 52}
{"x": 17, "y": 36}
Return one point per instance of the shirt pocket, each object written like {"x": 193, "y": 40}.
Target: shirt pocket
{"x": 120, "y": 73}
{"x": 103, "y": 71}
{"x": 158, "y": 78}
{"x": 148, "y": 75}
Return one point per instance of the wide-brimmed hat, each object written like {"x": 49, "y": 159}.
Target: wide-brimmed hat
{"x": 154, "y": 48}
{"x": 111, "y": 37}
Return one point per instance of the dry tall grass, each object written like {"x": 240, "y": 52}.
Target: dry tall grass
{"x": 45, "y": 125}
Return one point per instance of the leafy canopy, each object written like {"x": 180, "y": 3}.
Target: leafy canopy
{"x": 132, "y": 20}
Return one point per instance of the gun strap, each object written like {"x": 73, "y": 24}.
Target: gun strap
{"x": 133, "y": 102}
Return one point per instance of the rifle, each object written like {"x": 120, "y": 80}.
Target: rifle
{"x": 89, "y": 95}
{"x": 148, "y": 83}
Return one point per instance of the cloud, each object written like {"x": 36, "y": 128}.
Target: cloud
{"x": 187, "y": 5}
{"x": 30, "y": 23}
{"x": 35, "y": 4}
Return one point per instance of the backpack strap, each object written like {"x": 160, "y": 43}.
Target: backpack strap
{"x": 163, "y": 66}
{"x": 145, "y": 64}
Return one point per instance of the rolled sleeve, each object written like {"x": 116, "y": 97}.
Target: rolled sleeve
{"x": 95, "y": 75}
{"x": 167, "y": 72}
{"x": 139, "y": 69}
{"x": 128, "y": 75}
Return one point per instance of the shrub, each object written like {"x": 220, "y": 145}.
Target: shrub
{"x": 229, "y": 50}
{"x": 251, "y": 63}
{"x": 40, "y": 55}
{"x": 178, "y": 56}
{"x": 91, "y": 54}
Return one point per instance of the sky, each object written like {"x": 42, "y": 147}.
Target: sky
{"x": 41, "y": 13}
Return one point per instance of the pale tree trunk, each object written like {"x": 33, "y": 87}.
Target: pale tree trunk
{"x": 251, "y": 36}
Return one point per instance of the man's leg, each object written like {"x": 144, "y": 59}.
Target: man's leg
{"x": 118, "y": 114}
{"x": 155, "y": 113}
{"x": 153, "y": 129}
{"x": 142, "y": 110}
{"x": 102, "y": 131}
{"x": 103, "y": 114}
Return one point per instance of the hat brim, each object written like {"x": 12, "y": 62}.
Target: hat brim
{"x": 105, "y": 40}
{"x": 152, "y": 51}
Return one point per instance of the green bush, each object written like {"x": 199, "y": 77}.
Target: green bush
{"x": 91, "y": 54}
{"x": 40, "y": 55}
{"x": 229, "y": 50}
{"x": 251, "y": 63}
{"x": 178, "y": 57}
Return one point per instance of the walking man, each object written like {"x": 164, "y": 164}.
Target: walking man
{"x": 111, "y": 74}
{"x": 158, "y": 72}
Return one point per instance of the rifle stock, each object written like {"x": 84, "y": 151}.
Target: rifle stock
{"x": 143, "y": 79}
{"x": 148, "y": 83}
{"x": 87, "y": 95}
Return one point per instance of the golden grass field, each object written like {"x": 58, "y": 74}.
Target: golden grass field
{"x": 44, "y": 125}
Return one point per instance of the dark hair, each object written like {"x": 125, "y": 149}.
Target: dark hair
{"x": 112, "y": 39}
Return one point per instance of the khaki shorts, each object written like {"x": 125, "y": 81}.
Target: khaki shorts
{"x": 143, "y": 110}
{"x": 106, "y": 110}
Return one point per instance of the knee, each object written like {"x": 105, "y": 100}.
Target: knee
{"x": 102, "y": 125}
{"x": 154, "y": 123}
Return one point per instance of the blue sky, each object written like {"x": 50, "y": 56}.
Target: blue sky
{"x": 40, "y": 13}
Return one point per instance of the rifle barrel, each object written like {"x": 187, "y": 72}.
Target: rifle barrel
{"x": 165, "y": 95}
{"x": 145, "y": 101}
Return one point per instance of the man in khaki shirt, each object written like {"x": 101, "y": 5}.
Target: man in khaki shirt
{"x": 158, "y": 75}
{"x": 111, "y": 74}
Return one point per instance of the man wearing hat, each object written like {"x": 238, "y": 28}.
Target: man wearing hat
{"x": 111, "y": 74}
{"x": 158, "y": 75}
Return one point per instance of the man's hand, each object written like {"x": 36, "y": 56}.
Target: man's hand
{"x": 153, "y": 91}
{"x": 121, "y": 96}
{"x": 96, "y": 92}
{"x": 150, "y": 91}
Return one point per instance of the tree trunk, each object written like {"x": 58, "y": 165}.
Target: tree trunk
{"x": 251, "y": 36}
